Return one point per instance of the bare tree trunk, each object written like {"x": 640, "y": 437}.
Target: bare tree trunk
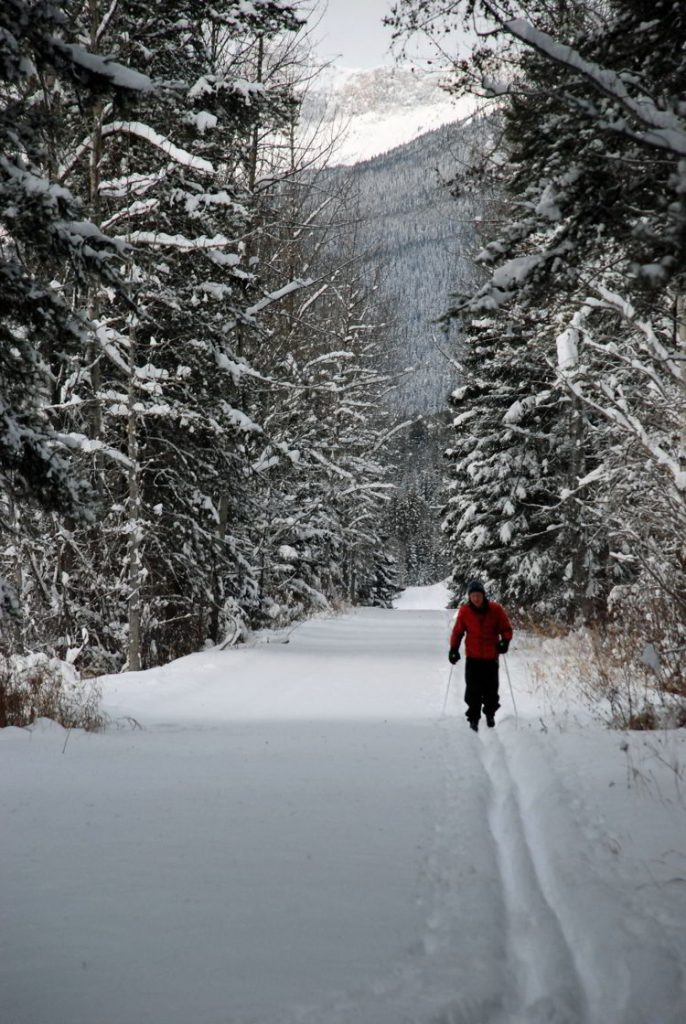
{"x": 135, "y": 517}
{"x": 219, "y": 594}
{"x": 255, "y": 138}
{"x": 95, "y": 212}
{"x": 681, "y": 352}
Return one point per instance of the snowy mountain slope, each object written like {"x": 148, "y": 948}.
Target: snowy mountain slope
{"x": 418, "y": 242}
{"x": 372, "y": 111}
{"x": 296, "y": 835}
{"x": 406, "y": 140}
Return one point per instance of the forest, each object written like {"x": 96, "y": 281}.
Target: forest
{"x": 264, "y": 423}
{"x": 192, "y": 442}
{"x": 567, "y": 482}
{"x": 222, "y": 360}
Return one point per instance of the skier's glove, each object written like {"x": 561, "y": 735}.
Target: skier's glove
{"x": 453, "y": 655}
{"x": 503, "y": 646}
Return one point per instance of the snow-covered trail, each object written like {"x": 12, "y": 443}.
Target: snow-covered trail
{"x": 296, "y": 835}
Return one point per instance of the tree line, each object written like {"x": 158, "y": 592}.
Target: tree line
{"x": 190, "y": 435}
{"x": 567, "y": 478}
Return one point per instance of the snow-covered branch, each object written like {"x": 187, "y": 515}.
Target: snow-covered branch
{"x": 106, "y": 336}
{"x": 148, "y": 134}
{"x": 650, "y": 341}
{"x": 616, "y": 413}
{"x": 662, "y": 128}
{"x": 89, "y": 445}
{"x": 104, "y": 67}
{"x": 293, "y": 286}
{"x": 161, "y": 239}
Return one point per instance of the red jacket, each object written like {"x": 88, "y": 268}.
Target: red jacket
{"x": 483, "y": 628}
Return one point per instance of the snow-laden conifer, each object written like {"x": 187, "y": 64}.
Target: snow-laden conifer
{"x": 47, "y": 239}
{"x": 595, "y": 138}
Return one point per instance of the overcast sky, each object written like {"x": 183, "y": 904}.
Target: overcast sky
{"x": 352, "y": 35}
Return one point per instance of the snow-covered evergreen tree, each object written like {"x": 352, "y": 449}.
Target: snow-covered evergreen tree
{"x": 44, "y": 230}
{"x": 225, "y": 408}
{"x": 158, "y": 394}
{"x": 328, "y": 342}
{"x": 516, "y": 513}
{"x": 595, "y": 139}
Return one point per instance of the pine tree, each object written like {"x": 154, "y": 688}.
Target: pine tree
{"x": 516, "y": 515}
{"x": 43, "y": 231}
{"x": 595, "y": 140}
{"x": 157, "y": 394}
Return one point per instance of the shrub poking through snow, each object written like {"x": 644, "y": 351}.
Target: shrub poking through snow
{"x": 616, "y": 671}
{"x": 41, "y": 687}
{"x": 639, "y": 689}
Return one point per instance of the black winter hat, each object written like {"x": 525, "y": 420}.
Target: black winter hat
{"x": 476, "y": 585}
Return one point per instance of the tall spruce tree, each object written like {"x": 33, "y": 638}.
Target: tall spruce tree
{"x": 592, "y": 103}
{"x": 224, "y": 407}
{"x": 157, "y": 394}
{"x": 173, "y": 397}
{"x": 43, "y": 231}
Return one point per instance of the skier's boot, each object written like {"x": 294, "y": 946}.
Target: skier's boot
{"x": 473, "y": 725}
{"x": 490, "y": 720}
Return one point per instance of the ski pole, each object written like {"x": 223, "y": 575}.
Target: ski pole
{"x": 514, "y": 704}
{"x": 447, "y": 691}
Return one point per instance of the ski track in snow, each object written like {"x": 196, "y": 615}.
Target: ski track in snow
{"x": 521, "y": 911}
{"x": 546, "y": 985}
{"x": 594, "y": 951}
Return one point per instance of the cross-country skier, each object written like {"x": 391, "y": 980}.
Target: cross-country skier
{"x": 489, "y": 632}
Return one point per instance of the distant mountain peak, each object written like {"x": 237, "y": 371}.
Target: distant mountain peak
{"x": 371, "y": 111}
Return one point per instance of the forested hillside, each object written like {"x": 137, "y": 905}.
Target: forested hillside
{"x": 418, "y": 243}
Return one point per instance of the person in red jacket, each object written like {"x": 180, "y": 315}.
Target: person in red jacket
{"x": 489, "y": 632}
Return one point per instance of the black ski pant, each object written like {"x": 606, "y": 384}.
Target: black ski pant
{"x": 481, "y": 678}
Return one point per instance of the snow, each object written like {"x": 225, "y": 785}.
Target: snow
{"x": 131, "y": 184}
{"x": 516, "y": 270}
{"x": 372, "y": 133}
{"x": 203, "y": 121}
{"x": 120, "y": 75}
{"x": 148, "y": 134}
{"x": 433, "y": 597}
{"x": 267, "y": 300}
{"x": 515, "y": 413}
{"x": 138, "y": 209}
{"x": 662, "y": 128}
{"x": 651, "y": 658}
{"x": 371, "y": 111}
{"x": 295, "y": 834}
{"x": 568, "y": 349}
{"x": 34, "y": 184}
{"x": 161, "y": 238}
{"x": 86, "y": 444}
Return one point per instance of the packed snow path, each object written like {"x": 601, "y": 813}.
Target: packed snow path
{"x": 296, "y": 835}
